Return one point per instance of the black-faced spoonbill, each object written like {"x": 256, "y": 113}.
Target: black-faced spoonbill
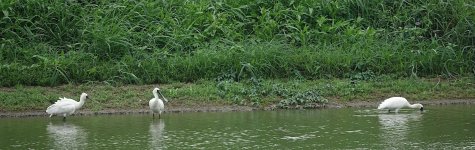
{"x": 156, "y": 104}
{"x": 396, "y": 103}
{"x": 65, "y": 106}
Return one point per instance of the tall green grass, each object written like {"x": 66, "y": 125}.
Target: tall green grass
{"x": 138, "y": 42}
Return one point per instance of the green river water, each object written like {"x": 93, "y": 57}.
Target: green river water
{"x": 438, "y": 127}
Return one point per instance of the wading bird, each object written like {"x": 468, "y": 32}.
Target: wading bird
{"x": 65, "y": 106}
{"x": 156, "y": 104}
{"x": 396, "y": 103}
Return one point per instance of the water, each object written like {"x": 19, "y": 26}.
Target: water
{"x": 439, "y": 127}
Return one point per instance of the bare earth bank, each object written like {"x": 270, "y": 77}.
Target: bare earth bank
{"x": 221, "y": 108}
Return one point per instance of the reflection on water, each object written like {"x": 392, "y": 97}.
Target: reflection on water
{"x": 157, "y": 130}
{"x": 443, "y": 127}
{"x": 66, "y": 135}
{"x": 395, "y": 128}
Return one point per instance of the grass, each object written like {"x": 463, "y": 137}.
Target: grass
{"x": 51, "y": 43}
{"x": 234, "y": 52}
{"x": 259, "y": 93}
{"x": 270, "y": 61}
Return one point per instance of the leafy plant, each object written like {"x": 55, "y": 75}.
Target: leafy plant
{"x": 147, "y": 42}
{"x": 306, "y": 99}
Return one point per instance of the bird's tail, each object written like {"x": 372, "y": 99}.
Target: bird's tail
{"x": 380, "y": 106}
{"x": 49, "y": 110}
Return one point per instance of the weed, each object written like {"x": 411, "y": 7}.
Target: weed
{"x": 51, "y": 43}
{"x": 306, "y": 99}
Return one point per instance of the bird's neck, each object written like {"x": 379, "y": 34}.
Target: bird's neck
{"x": 156, "y": 95}
{"x": 81, "y": 102}
{"x": 413, "y": 106}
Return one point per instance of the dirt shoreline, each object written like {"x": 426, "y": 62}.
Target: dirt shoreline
{"x": 216, "y": 108}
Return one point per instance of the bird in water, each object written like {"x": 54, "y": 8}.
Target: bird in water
{"x": 66, "y": 106}
{"x": 156, "y": 104}
{"x": 396, "y": 103}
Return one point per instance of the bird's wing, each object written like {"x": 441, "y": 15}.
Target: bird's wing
{"x": 385, "y": 103}
{"x": 62, "y": 105}
{"x": 393, "y": 102}
{"x": 65, "y": 100}
{"x": 161, "y": 106}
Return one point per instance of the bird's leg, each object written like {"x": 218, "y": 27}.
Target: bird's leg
{"x": 153, "y": 115}
{"x": 159, "y": 116}
{"x": 64, "y": 117}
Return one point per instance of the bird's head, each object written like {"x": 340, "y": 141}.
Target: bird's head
{"x": 156, "y": 90}
{"x": 419, "y": 106}
{"x": 84, "y": 96}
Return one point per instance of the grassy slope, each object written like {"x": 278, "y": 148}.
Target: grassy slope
{"x": 210, "y": 93}
{"x": 50, "y": 43}
{"x": 234, "y": 52}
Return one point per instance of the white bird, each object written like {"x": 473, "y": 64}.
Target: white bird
{"x": 396, "y": 103}
{"x": 65, "y": 106}
{"x": 156, "y": 104}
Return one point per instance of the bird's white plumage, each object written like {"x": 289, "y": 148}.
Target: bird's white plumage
{"x": 393, "y": 103}
{"x": 396, "y": 103}
{"x": 156, "y": 104}
{"x": 65, "y": 106}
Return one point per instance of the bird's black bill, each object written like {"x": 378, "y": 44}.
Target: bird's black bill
{"x": 162, "y": 96}
{"x": 422, "y": 109}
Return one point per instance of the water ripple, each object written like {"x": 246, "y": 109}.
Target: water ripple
{"x": 295, "y": 138}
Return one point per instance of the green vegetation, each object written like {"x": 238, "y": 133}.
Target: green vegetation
{"x": 260, "y": 93}
{"x": 288, "y": 53}
{"x": 50, "y": 43}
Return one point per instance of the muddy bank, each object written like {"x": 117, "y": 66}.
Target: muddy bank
{"x": 173, "y": 109}
{"x": 213, "y": 108}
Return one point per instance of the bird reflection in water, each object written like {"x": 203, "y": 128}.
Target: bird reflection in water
{"x": 157, "y": 137}
{"x": 66, "y": 135}
{"x": 395, "y": 127}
